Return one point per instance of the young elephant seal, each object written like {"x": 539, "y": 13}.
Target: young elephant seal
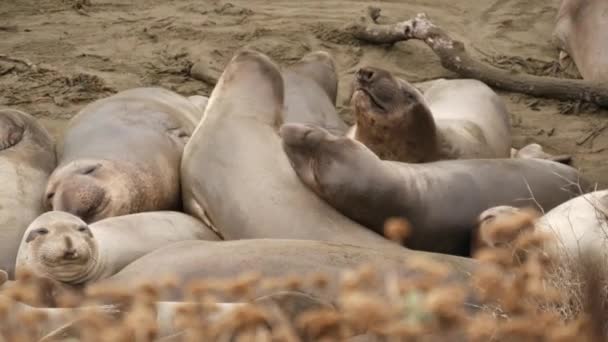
{"x": 454, "y": 119}
{"x": 62, "y": 247}
{"x": 311, "y": 87}
{"x": 581, "y": 32}
{"x": 121, "y": 155}
{"x": 441, "y": 200}
{"x": 27, "y": 157}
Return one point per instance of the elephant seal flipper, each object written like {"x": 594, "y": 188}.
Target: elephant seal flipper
{"x": 536, "y": 151}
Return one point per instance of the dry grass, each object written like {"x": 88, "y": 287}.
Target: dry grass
{"x": 517, "y": 294}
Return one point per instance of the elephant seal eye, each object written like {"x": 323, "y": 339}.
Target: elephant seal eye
{"x": 35, "y": 233}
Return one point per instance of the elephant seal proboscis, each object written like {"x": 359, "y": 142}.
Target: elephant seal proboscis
{"x": 311, "y": 87}
{"x": 441, "y": 200}
{"x": 453, "y": 119}
{"x": 62, "y": 247}
{"x": 121, "y": 155}
{"x": 255, "y": 193}
{"x": 27, "y": 158}
{"x": 581, "y": 33}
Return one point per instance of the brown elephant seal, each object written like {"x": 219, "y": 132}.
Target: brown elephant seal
{"x": 453, "y": 119}
{"x": 62, "y": 247}
{"x": 27, "y": 158}
{"x": 237, "y": 146}
{"x": 200, "y": 260}
{"x": 581, "y": 33}
{"x": 121, "y": 155}
{"x": 311, "y": 87}
{"x": 441, "y": 200}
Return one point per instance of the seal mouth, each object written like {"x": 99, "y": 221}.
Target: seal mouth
{"x": 372, "y": 98}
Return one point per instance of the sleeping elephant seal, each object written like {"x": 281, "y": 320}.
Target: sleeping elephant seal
{"x": 121, "y": 155}
{"x": 270, "y": 258}
{"x": 453, "y": 119}
{"x": 254, "y": 192}
{"x": 578, "y": 225}
{"x": 62, "y": 247}
{"x": 441, "y": 200}
{"x": 27, "y": 158}
{"x": 581, "y": 33}
{"x": 311, "y": 87}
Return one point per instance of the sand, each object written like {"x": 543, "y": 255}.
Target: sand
{"x": 58, "y": 55}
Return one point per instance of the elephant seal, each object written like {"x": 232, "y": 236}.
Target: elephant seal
{"x": 578, "y": 225}
{"x": 200, "y": 260}
{"x": 311, "y": 87}
{"x": 453, "y": 119}
{"x": 441, "y": 200}
{"x": 237, "y": 146}
{"x": 121, "y": 155}
{"x": 27, "y": 158}
{"x": 62, "y": 247}
{"x": 581, "y": 33}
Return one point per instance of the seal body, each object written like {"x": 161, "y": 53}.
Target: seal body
{"x": 62, "y": 247}
{"x": 441, "y": 200}
{"x": 581, "y": 32}
{"x": 254, "y": 192}
{"x": 453, "y": 119}
{"x": 310, "y": 92}
{"x": 200, "y": 260}
{"x": 121, "y": 155}
{"x": 27, "y": 158}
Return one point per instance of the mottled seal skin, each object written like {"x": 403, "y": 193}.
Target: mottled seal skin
{"x": 27, "y": 158}
{"x": 441, "y": 200}
{"x": 581, "y": 32}
{"x": 453, "y": 119}
{"x": 311, "y": 87}
{"x": 62, "y": 247}
{"x": 200, "y": 260}
{"x": 121, "y": 155}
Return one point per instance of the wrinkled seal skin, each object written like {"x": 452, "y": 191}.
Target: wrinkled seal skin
{"x": 62, "y": 247}
{"x": 200, "y": 260}
{"x": 441, "y": 200}
{"x": 121, "y": 155}
{"x": 453, "y": 119}
{"x": 254, "y": 192}
{"x": 311, "y": 87}
{"x": 581, "y": 31}
{"x": 27, "y": 157}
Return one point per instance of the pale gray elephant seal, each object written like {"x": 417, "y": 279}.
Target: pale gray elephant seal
{"x": 441, "y": 200}
{"x": 311, "y": 87}
{"x": 62, "y": 247}
{"x": 453, "y": 119}
{"x": 27, "y": 157}
{"x": 238, "y": 147}
{"x": 581, "y": 32}
{"x": 121, "y": 155}
{"x": 200, "y": 260}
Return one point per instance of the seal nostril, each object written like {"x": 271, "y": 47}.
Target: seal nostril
{"x": 70, "y": 254}
{"x": 365, "y": 75}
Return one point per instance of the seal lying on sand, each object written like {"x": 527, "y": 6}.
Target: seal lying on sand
{"x": 62, "y": 247}
{"x": 200, "y": 260}
{"x": 454, "y": 119}
{"x": 441, "y": 200}
{"x": 27, "y": 158}
{"x": 578, "y": 225}
{"x": 255, "y": 192}
{"x": 581, "y": 32}
{"x": 311, "y": 87}
{"x": 121, "y": 155}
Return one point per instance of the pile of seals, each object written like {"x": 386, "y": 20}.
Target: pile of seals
{"x": 264, "y": 176}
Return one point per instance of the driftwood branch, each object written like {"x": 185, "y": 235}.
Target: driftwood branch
{"x": 454, "y": 57}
